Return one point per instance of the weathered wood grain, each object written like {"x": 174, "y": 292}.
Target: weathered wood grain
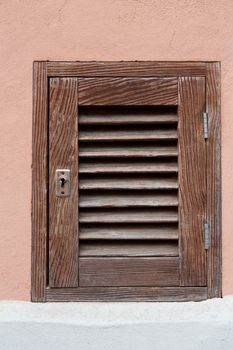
{"x": 213, "y": 145}
{"x": 126, "y": 69}
{"x": 122, "y": 272}
{"x": 39, "y": 181}
{"x": 99, "y": 193}
{"x": 129, "y": 232}
{"x": 128, "y": 135}
{"x": 133, "y": 182}
{"x": 63, "y": 212}
{"x": 130, "y": 166}
{"x": 127, "y": 249}
{"x": 124, "y": 200}
{"x": 133, "y": 152}
{"x": 146, "y": 115}
{"x": 127, "y": 294}
{"x": 192, "y": 181}
{"x": 128, "y": 216}
{"x": 128, "y": 91}
{"x": 98, "y": 157}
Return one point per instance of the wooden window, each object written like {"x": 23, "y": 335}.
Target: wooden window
{"x": 141, "y": 220}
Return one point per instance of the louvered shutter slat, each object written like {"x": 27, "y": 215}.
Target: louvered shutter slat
{"x": 128, "y": 232}
{"x": 121, "y": 135}
{"x": 121, "y": 116}
{"x": 133, "y": 182}
{"x": 136, "y": 199}
{"x": 106, "y": 167}
{"x": 128, "y": 151}
{"x": 128, "y": 215}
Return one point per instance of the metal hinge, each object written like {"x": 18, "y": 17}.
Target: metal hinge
{"x": 206, "y": 235}
{"x": 206, "y": 126}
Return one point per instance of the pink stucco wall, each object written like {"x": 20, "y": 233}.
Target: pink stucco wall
{"x": 96, "y": 30}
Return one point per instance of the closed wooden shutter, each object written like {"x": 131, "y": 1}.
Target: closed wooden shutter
{"x": 132, "y": 226}
{"x": 134, "y": 173}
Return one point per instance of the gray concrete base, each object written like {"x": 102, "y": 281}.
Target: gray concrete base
{"x": 117, "y": 326}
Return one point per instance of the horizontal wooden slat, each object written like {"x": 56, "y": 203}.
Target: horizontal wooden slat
{"x": 128, "y": 91}
{"x": 129, "y": 232}
{"x": 127, "y": 200}
{"x": 126, "y": 249}
{"x": 145, "y": 151}
{"x": 97, "y": 167}
{"x": 125, "y": 116}
{"x": 108, "y": 135}
{"x": 126, "y": 68}
{"x": 128, "y": 216}
{"x": 126, "y": 294}
{"x": 152, "y": 183}
{"x": 129, "y": 272}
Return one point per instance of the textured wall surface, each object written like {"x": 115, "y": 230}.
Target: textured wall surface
{"x": 96, "y": 30}
{"x": 117, "y": 326}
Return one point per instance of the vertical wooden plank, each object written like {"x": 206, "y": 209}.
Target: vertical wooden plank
{"x": 39, "y": 181}
{"x": 63, "y": 211}
{"x": 192, "y": 181}
{"x": 214, "y": 179}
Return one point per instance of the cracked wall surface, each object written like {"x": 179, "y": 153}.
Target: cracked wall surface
{"x": 97, "y": 30}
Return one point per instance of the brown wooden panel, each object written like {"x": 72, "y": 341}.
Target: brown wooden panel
{"x": 128, "y": 216}
{"x": 128, "y": 91}
{"x": 39, "y": 181}
{"x": 63, "y": 148}
{"x": 192, "y": 181}
{"x": 143, "y": 183}
{"x": 127, "y": 68}
{"x": 128, "y": 232}
{"x": 129, "y": 272}
{"x": 134, "y": 152}
{"x": 213, "y": 145}
{"x": 130, "y": 166}
{"x": 126, "y": 249}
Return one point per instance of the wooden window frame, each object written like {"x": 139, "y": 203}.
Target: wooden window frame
{"x": 42, "y": 71}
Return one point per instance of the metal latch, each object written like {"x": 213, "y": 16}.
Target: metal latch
{"x": 206, "y": 236}
{"x": 62, "y": 182}
{"x": 206, "y": 126}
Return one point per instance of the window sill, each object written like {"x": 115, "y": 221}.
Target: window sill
{"x": 207, "y": 325}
